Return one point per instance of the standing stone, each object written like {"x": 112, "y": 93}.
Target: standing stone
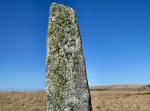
{"x": 66, "y": 82}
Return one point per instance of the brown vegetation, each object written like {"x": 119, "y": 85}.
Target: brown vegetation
{"x": 121, "y": 100}
{"x": 22, "y": 101}
{"x": 116, "y": 98}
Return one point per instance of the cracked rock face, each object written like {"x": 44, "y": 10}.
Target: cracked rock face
{"x": 66, "y": 81}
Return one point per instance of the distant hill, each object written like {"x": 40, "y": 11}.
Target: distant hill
{"x": 121, "y": 88}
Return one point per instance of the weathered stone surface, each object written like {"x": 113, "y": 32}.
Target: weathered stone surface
{"x": 66, "y": 82}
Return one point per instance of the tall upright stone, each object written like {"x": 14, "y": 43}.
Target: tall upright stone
{"x": 66, "y": 82}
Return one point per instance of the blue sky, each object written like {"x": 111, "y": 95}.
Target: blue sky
{"x": 115, "y": 34}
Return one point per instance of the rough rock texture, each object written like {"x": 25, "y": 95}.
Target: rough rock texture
{"x": 66, "y": 82}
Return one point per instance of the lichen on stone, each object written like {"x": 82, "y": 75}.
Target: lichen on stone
{"x": 66, "y": 81}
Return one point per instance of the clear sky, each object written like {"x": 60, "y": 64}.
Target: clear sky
{"x": 115, "y": 34}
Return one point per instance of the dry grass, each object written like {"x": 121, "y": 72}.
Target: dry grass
{"x": 22, "y": 101}
{"x": 102, "y": 100}
{"x": 121, "y": 100}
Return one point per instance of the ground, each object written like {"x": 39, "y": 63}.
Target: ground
{"x": 120, "y": 100}
{"x": 103, "y": 99}
{"x": 22, "y": 101}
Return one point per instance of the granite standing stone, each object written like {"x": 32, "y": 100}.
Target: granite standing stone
{"x": 66, "y": 82}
